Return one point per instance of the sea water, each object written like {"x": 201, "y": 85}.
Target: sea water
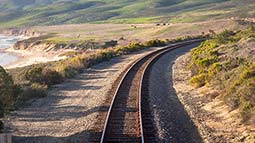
{"x": 6, "y": 42}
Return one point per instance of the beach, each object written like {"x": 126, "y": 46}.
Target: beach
{"x": 26, "y": 57}
{"x": 11, "y": 58}
{"x": 7, "y": 58}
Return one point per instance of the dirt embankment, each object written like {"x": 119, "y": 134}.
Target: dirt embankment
{"x": 215, "y": 121}
{"x": 39, "y": 43}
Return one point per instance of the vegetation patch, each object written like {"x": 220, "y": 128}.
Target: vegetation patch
{"x": 224, "y": 63}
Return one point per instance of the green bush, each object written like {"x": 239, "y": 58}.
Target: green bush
{"x": 214, "y": 53}
{"x": 248, "y": 73}
{"x": 155, "y": 43}
{"x": 35, "y": 75}
{"x": 107, "y": 55}
{"x": 231, "y": 100}
{"x": 51, "y": 77}
{"x": 133, "y": 47}
{"x": 233, "y": 76}
{"x": 36, "y": 90}
{"x": 111, "y": 43}
{"x": 206, "y": 62}
{"x": 69, "y": 72}
{"x": 225, "y": 37}
{"x": 233, "y": 63}
{"x": 246, "y": 110}
{"x": 198, "y": 80}
{"x": 6, "y": 90}
{"x": 43, "y": 76}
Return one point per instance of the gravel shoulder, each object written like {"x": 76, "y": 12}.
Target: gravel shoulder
{"x": 72, "y": 110}
{"x": 215, "y": 121}
{"x": 172, "y": 122}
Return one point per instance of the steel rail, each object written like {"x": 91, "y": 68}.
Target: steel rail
{"x": 152, "y": 57}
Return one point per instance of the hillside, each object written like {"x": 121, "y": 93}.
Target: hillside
{"x": 50, "y": 12}
{"x": 215, "y": 82}
{"x": 226, "y": 62}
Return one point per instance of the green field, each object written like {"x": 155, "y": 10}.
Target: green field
{"x": 53, "y": 12}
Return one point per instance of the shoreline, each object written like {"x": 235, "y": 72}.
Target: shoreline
{"x": 26, "y": 58}
{"x": 15, "y": 55}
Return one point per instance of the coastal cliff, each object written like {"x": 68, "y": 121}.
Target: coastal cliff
{"x": 35, "y": 45}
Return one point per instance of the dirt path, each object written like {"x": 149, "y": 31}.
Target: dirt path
{"x": 70, "y": 111}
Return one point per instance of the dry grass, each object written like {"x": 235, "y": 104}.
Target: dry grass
{"x": 133, "y": 32}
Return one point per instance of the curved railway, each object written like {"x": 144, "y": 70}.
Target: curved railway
{"x": 129, "y": 118}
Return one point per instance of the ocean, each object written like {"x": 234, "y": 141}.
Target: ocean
{"x": 6, "y": 42}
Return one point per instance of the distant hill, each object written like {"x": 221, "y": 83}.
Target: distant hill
{"x": 51, "y": 12}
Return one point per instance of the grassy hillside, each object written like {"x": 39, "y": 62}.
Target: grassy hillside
{"x": 49, "y": 12}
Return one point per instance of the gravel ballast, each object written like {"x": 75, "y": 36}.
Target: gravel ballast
{"x": 171, "y": 119}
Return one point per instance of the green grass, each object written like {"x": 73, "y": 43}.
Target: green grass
{"x": 139, "y": 20}
{"x": 114, "y": 11}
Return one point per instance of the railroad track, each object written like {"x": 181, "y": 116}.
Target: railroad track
{"x": 129, "y": 118}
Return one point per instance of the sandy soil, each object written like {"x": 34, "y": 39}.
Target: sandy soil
{"x": 71, "y": 111}
{"x": 216, "y": 122}
{"x": 26, "y": 57}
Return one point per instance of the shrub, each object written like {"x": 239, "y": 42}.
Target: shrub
{"x": 214, "y": 53}
{"x": 111, "y": 43}
{"x": 214, "y": 69}
{"x": 198, "y": 80}
{"x": 233, "y": 76}
{"x": 233, "y": 63}
{"x": 69, "y": 72}
{"x": 231, "y": 101}
{"x": 6, "y": 90}
{"x": 133, "y": 47}
{"x": 107, "y": 55}
{"x": 246, "y": 109}
{"x": 206, "y": 62}
{"x": 155, "y": 43}
{"x": 75, "y": 63}
{"x": 36, "y": 90}
{"x": 51, "y": 77}
{"x": 248, "y": 72}
{"x": 35, "y": 75}
{"x": 225, "y": 37}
